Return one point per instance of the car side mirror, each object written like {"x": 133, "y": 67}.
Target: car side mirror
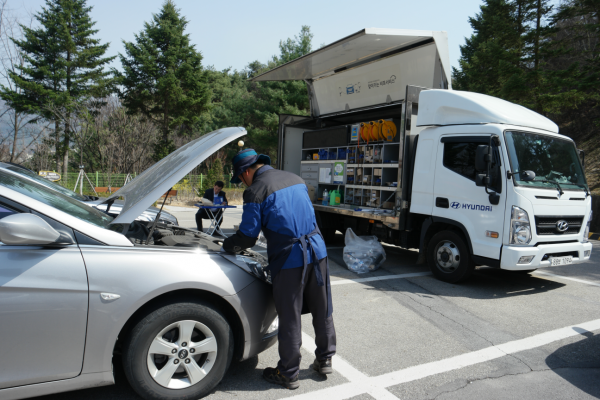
{"x": 482, "y": 157}
{"x": 26, "y": 230}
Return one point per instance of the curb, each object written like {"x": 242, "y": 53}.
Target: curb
{"x": 594, "y": 236}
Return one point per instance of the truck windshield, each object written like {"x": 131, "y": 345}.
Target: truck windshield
{"x": 553, "y": 160}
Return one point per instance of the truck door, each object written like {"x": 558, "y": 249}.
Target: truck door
{"x": 458, "y": 199}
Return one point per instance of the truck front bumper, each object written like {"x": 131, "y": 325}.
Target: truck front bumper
{"x": 542, "y": 254}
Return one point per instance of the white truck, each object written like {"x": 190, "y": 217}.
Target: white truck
{"x": 466, "y": 178}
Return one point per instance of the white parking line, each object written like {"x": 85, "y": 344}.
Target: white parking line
{"x": 376, "y": 386}
{"x": 355, "y": 377}
{"x": 567, "y": 278}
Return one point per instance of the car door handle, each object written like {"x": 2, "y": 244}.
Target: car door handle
{"x": 442, "y": 202}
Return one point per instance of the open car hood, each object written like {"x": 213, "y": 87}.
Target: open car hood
{"x": 148, "y": 187}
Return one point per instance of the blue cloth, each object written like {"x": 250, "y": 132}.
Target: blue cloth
{"x": 287, "y": 211}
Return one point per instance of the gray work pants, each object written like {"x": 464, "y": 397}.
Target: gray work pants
{"x": 289, "y": 294}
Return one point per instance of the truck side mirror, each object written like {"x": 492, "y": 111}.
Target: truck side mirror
{"x": 481, "y": 179}
{"x": 527, "y": 176}
{"x": 482, "y": 157}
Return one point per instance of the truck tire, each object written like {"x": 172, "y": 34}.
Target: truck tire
{"x": 448, "y": 257}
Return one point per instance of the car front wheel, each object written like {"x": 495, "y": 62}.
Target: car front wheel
{"x": 179, "y": 351}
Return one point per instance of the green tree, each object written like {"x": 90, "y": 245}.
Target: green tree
{"x": 163, "y": 76}
{"x": 257, "y": 105}
{"x": 509, "y": 53}
{"x": 215, "y": 173}
{"x": 63, "y": 66}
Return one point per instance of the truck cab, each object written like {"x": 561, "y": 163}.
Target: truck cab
{"x": 465, "y": 178}
{"x": 501, "y": 177}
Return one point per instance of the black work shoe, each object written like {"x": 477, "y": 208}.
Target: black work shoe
{"x": 323, "y": 367}
{"x": 274, "y": 376}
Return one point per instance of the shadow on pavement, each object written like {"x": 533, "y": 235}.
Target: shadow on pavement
{"x": 485, "y": 283}
{"x": 579, "y": 363}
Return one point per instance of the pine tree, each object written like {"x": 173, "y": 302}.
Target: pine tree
{"x": 508, "y": 56}
{"x": 163, "y": 76}
{"x": 64, "y": 66}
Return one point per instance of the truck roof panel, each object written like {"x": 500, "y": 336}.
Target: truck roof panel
{"x": 362, "y": 47}
{"x": 453, "y": 107}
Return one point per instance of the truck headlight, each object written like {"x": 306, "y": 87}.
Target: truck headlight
{"x": 520, "y": 229}
{"x": 586, "y": 232}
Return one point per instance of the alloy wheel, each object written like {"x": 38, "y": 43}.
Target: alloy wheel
{"x": 182, "y": 354}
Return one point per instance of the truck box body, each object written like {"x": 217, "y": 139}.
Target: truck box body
{"x": 457, "y": 181}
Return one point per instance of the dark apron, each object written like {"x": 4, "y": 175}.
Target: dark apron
{"x": 278, "y": 250}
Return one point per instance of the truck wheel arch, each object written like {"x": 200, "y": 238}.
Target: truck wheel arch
{"x": 432, "y": 225}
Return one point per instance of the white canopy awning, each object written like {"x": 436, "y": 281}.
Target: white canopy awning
{"x": 362, "y": 47}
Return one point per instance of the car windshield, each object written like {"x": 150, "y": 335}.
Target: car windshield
{"x": 553, "y": 160}
{"x": 54, "y": 199}
{"x": 45, "y": 182}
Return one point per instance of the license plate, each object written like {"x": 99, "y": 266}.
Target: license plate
{"x": 554, "y": 261}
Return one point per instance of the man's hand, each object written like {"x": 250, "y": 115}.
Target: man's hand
{"x": 238, "y": 242}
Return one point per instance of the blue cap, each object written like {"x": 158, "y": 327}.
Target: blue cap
{"x": 244, "y": 159}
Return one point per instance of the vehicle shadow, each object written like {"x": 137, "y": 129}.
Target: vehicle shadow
{"x": 579, "y": 363}
{"x": 245, "y": 376}
{"x": 485, "y": 283}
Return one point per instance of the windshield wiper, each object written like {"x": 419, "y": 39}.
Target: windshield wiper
{"x": 557, "y": 185}
{"x": 582, "y": 186}
{"x": 552, "y": 182}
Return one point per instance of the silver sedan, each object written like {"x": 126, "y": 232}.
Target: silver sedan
{"x": 77, "y": 287}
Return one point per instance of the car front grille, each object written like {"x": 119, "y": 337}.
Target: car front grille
{"x": 546, "y": 225}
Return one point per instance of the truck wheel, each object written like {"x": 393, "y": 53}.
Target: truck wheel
{"x": 179, "y": 351}
{"x": 448, "y": 257}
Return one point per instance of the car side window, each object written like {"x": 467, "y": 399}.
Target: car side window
{"x": 5, "y": 211}
{"x": 460, "y": 158}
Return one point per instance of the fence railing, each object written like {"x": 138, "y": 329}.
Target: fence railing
{"x": 99, "y": 179}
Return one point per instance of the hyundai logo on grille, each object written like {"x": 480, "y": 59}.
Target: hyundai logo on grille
{"x": 562, "y": 225}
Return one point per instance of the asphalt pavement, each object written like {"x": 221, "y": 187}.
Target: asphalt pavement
{"x": 404, "y": 335}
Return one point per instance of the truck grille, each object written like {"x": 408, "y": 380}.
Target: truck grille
{"x": 545, "y": 225}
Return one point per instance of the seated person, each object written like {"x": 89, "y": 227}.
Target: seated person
{"x": 218, "y": 197}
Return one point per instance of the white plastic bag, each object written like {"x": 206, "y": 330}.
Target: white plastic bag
{"x": 362, "y": 254}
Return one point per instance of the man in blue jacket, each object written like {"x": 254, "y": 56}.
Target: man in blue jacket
{"x": 277, "y": 203}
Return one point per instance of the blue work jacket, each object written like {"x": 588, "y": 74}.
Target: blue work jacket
{"x": 277, "y": 202}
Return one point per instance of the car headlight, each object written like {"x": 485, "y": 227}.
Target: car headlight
{"x": 520, "y": 229}
{"x": 586, "y": 232}
{"x": 255, "y": 267}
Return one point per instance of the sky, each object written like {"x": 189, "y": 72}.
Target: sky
{"x": 231, "y": 34}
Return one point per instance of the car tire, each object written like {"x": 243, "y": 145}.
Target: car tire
{"x": 448, "y": 257}
{"x": 159, "y": 362}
